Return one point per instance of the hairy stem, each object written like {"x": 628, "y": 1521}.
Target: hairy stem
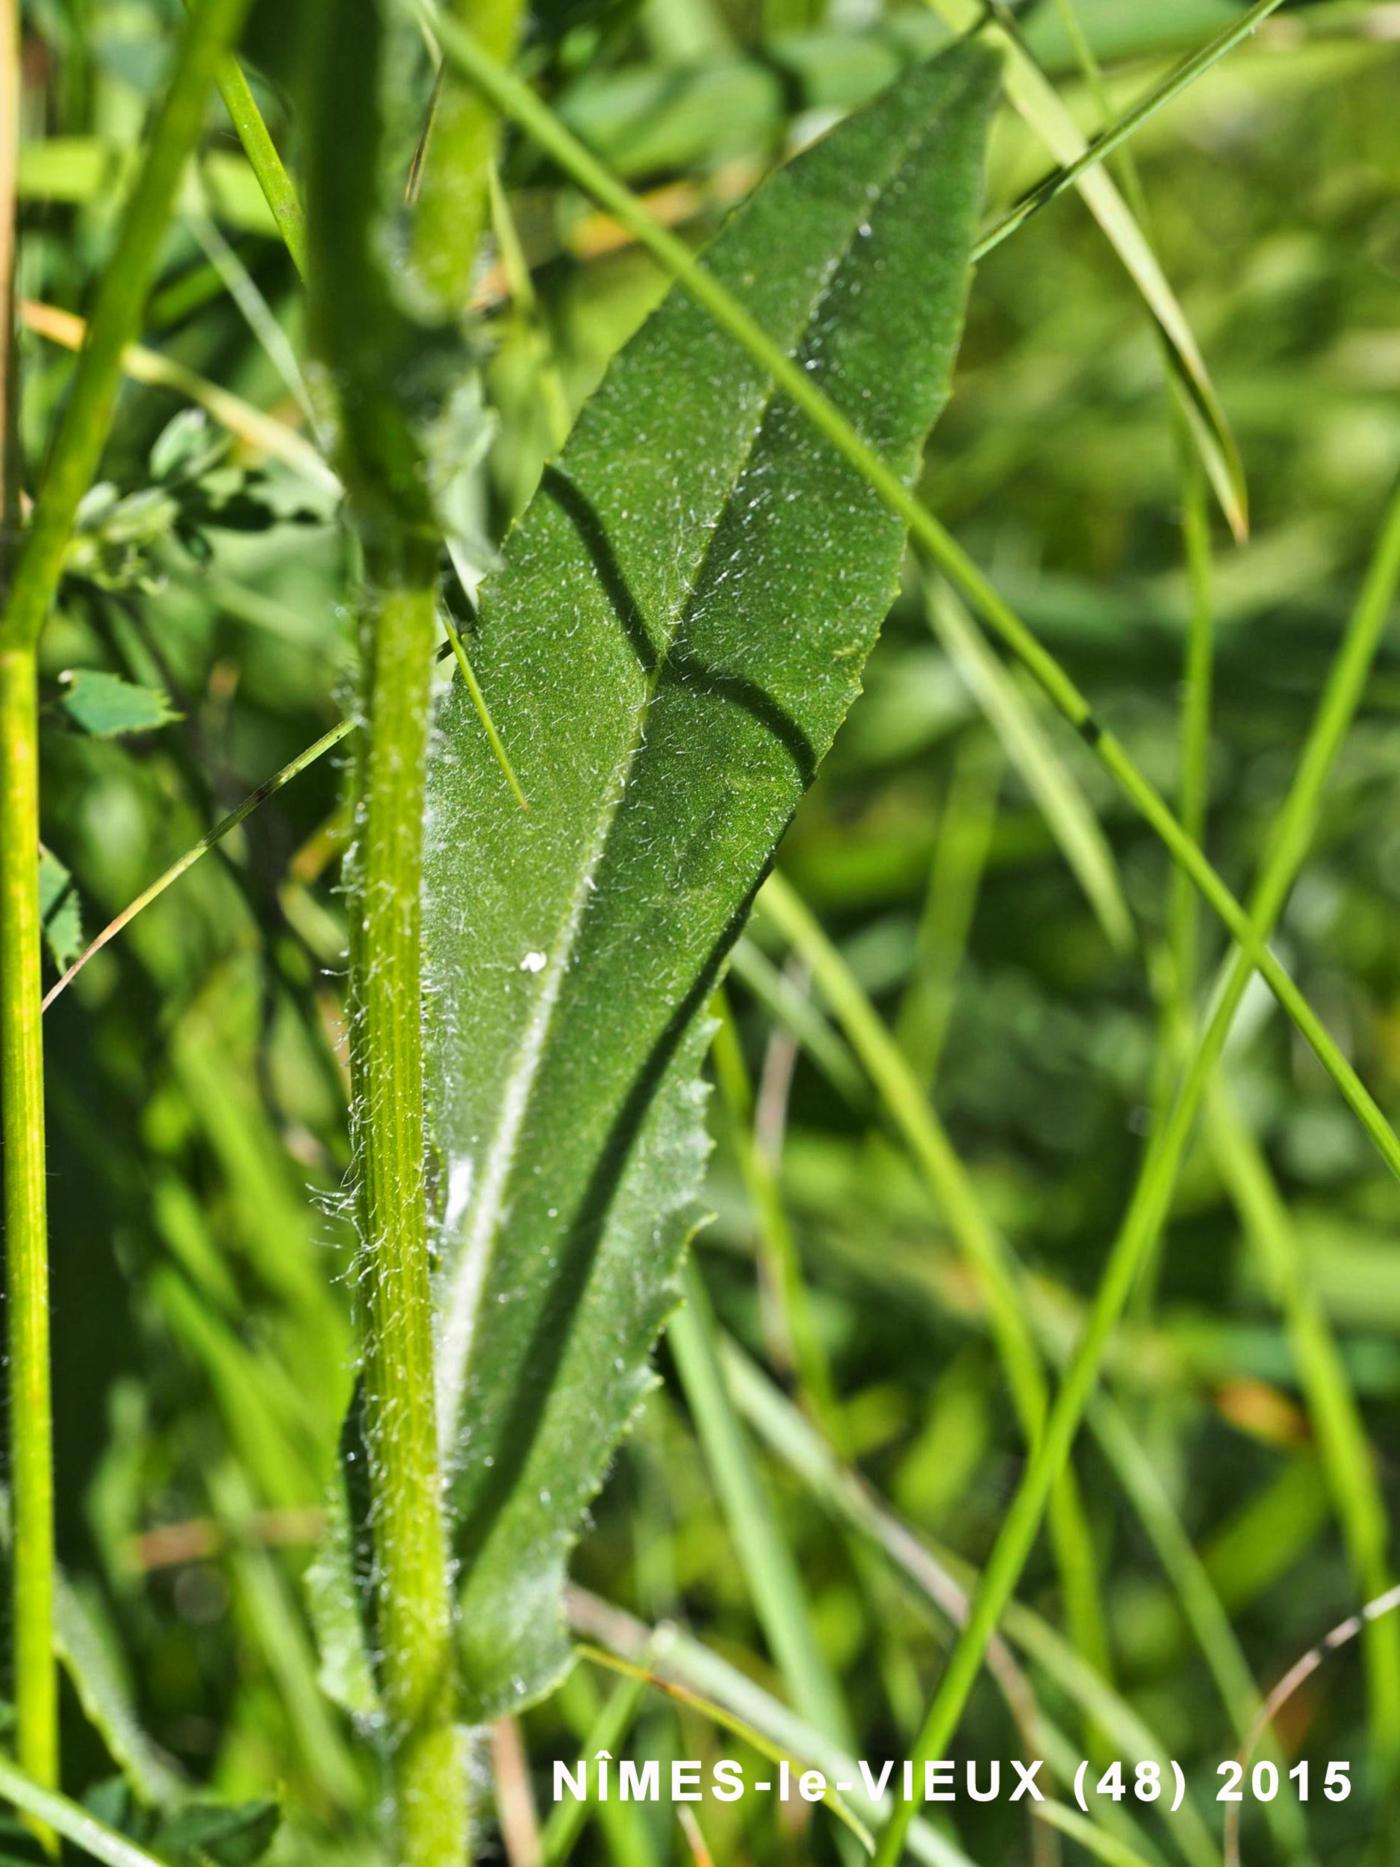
{"x": 414, "y": 1609}
{"x": 360, "y": 333}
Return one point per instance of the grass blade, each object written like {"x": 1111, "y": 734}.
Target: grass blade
{"x": 985, "y": 1250}
{"x": 1037, "y": 101}
{"x": 1071, "y": 822}
{"x": 772, "y": 1574}
{"x": 1147, "y": 1211}
{"x": 1116, "y": 135}
{"x": 1343, "y": 1444}
{"x": 93, "y": 1838}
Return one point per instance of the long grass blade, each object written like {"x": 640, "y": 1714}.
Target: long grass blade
{"x": 773, "y": 1577}
{"x": 93, "y": 1838}
{"x": 947, "y": 1584}
{"x": 1343, "y": 1444}
{"x": 1038, "y": 102}
{"x": 1117, "y": 134}
{"x": 1148, "y": 1208}
{"x": 985, "y": 1250}
{"x": 1047, "y": 778}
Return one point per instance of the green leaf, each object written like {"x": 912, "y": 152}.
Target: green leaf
{"x": 91, "y": 1667}
{"x": 106, "y": 705}
{"x": 235, "y": 1834}
{"x": 60, "y": 911}
{"x": 675, "y": 636}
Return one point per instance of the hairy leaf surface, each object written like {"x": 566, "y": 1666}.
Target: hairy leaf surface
{"x": 675, "y": 635}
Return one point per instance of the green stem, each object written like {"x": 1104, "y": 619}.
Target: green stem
{"x": 72, "y": 463}
{"x": 417, "y": 1666}
{"x": 518, "y": 102}
{"x": 26, "y": 1255}
{"x": 1148, "y": 1208}
{"x": 34, "y": 1663}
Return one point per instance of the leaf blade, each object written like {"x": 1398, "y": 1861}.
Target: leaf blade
{"x": 671, "y": 645}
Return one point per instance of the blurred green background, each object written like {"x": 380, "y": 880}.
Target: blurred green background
{"x": 203, "y": 1351}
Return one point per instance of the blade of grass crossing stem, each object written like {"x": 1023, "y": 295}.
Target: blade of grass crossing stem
{"x": 978, "y": 1240}
{"x": 1061, "y": 802}
{"x": 1036, "y": 100}
{"x": 517, "y": 101}
{"x": 72, "y": 461}
{"x": 221, "y": 829}
{"x": 772, "y": 1573}
{"x": 1151, "y": 1199}
{"x": 1347, "y": 1456}
{"x": 357, "y": 329}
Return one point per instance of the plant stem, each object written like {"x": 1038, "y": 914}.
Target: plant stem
{"x": 56, "y": 1813}
{"x": 22, "y": 1058}
{"x": 26, "y": 1256}
{"x": 414, "y": 1608}
{"x": 359, "y": 333}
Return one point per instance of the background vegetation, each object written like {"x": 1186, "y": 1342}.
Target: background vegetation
{"x": 831, "y": 1442}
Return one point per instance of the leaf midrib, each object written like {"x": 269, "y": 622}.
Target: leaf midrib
{"x": 466, "y": 1280}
